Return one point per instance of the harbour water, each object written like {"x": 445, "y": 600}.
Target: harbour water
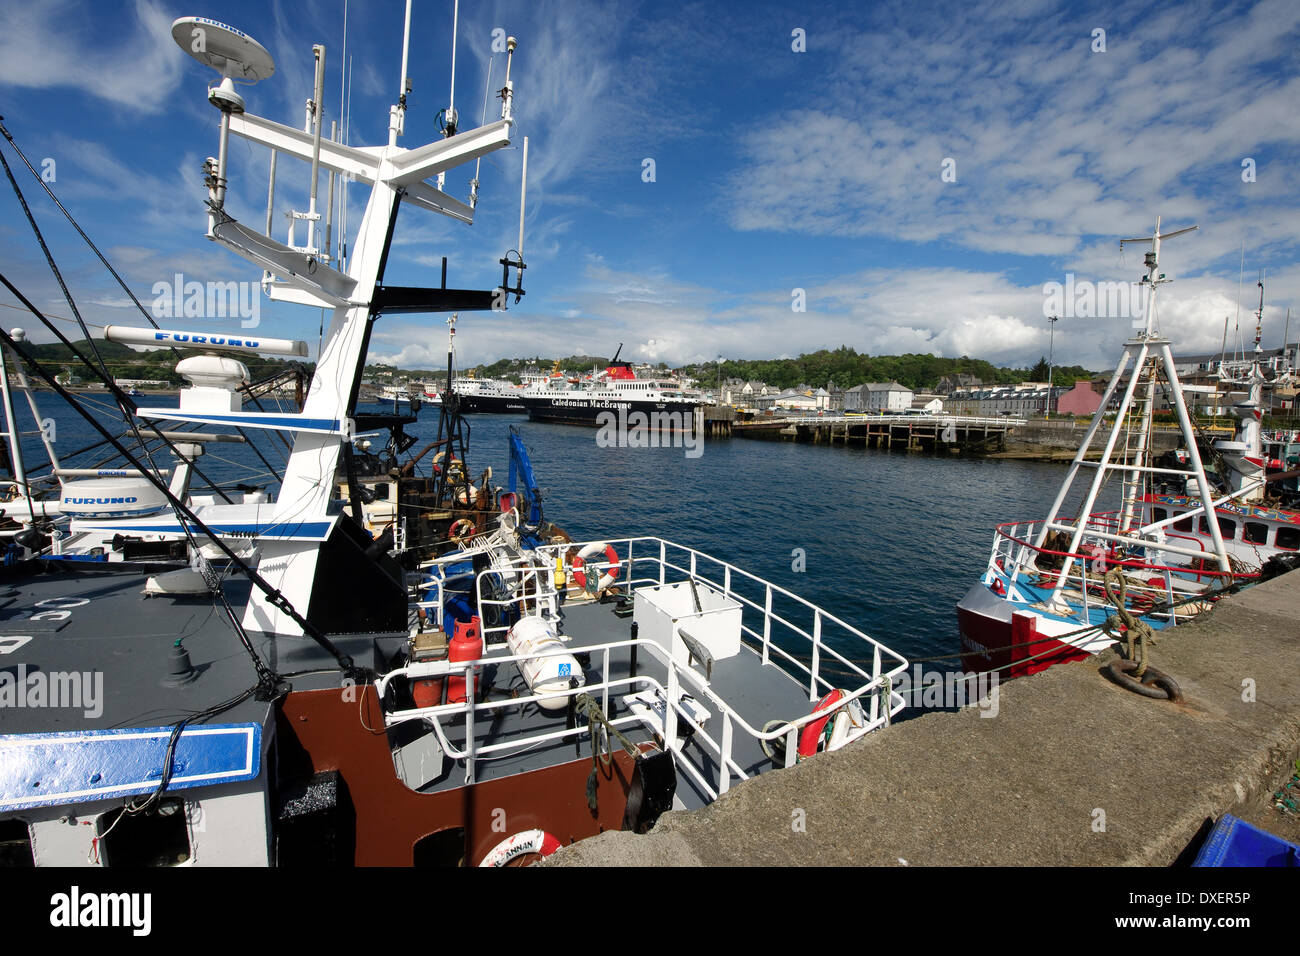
{"x": 890, "y": 541}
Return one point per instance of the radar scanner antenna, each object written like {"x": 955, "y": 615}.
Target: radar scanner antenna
{"x": 236, "y": 56}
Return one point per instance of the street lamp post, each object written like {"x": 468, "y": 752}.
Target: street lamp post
{"x": 1051, "y": 341}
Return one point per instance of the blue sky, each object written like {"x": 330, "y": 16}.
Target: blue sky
{"x": 775, "y": 170}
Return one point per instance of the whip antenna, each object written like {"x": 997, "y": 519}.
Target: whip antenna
{"x": 478, "y": 163}
{"x": 523, "y": 195}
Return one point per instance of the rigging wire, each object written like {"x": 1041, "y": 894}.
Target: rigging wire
{"x": 93, "y": 248}
{"x": 274, "y": 596}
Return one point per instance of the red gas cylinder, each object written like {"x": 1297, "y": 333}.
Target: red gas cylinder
{"x": 466, "y": 645}
{"x": 427, "y": 693}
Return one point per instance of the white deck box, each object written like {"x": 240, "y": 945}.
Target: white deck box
{"x": 662, "y": 610}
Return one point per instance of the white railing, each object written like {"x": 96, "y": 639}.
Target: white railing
{"x": 670, "y": 563}
{"x": 1015, "y": 557}
{"x": 654, "y": 561}
{"x": 899, "y": 418}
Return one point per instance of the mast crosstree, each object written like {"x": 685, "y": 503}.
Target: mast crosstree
{"x": 354, "y": 297}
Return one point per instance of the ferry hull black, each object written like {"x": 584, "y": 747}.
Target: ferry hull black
{"x": 662, "y": 416}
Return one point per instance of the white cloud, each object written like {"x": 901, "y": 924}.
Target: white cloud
{"x": 944, "y": 311}
{"x": 1051, "y": 142}
{"x": 55, "y": 44}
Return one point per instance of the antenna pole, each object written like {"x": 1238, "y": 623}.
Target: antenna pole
{"x": 1051, "y": 341}
{"x": 478, "y": 163}
{"x": 523, "y": 189}
{"x": 1241, "y": 277}
{"x": 329, "y": 214}
{"x": 343, "y": 62}
{"x": 1259, "y": 314}
{"x": 508, "y": 91}
{"x": 343, "y": 185}
{"x": 270, "y": 191}
{"x": 451, "y": 121}
{"x": 317, "y": 95}
{"x": 451, "y": 349}
{"x": 451, "y": 102}
{"x": 397, "y": 113}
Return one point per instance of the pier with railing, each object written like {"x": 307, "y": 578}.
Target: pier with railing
{"x": 936, "y": 434}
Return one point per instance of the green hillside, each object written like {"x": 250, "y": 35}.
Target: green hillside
{"x": 844, "y": 366}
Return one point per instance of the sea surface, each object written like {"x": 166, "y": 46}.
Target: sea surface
{"x": 890, "y": 540}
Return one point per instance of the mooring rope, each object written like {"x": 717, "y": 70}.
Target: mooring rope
{"x": 1137, "y": 632}
{"x": 602, "y": 753}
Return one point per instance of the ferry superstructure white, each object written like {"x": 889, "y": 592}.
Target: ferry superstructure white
{"x": 616, "y": 388}
{"x": 489, "y": 395}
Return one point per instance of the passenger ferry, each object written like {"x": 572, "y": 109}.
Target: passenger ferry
{"x": 667, "y": 403}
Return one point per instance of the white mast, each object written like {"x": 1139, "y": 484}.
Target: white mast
{"x": 289, "y": 539}
{"x": 397, "y": 113}
{"x": 1147, "y": 354}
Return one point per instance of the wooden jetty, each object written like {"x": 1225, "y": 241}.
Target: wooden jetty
{"x": 717, "y": 421}
{"x": 936, "y": 434}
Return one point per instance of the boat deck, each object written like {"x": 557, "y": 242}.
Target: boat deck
{"x": 86, "y": 703}
{"x": 758, "y": 693}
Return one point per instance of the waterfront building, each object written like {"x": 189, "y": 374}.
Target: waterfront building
{"x": 874, "y": 397}
{"x": 1083, "y": 399}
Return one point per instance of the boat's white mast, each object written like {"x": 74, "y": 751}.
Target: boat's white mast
{"x": 288, "y": 556}
{"x": 1146, "y": 353}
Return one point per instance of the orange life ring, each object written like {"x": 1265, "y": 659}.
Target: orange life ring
{"x": 460, "y": 529}
{"x": 607, "y": 577}
{"x": 828, "y": 732}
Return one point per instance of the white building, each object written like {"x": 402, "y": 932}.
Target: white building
{"x": 1021, "y": 401}
{"x": 923, "y": 404}
{"x": 878, "y": 397}
{"x": 790, "y": 401}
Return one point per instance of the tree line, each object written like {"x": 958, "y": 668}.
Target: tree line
{"x": 844, "y": 366}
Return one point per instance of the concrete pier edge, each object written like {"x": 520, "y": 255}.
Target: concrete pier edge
{"x": 1072, "y": 771}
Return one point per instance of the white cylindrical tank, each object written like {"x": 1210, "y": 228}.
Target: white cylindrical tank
{"x": 550, "y": 674}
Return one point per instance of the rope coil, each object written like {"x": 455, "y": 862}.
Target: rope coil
{"x": 602, "y": 752}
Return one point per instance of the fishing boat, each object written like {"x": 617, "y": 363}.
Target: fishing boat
{"x": 296, "y": 677}
{"x": 1072, "y": 584}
